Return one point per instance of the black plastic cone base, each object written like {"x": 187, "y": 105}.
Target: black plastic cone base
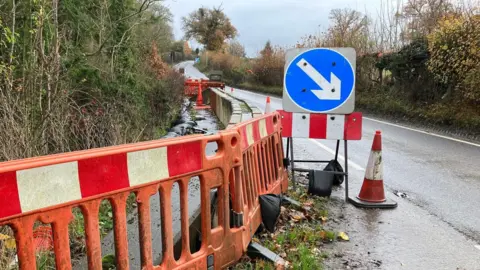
{"x": 388, "y": 204}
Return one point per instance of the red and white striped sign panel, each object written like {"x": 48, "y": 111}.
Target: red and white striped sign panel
{"x": 322, "y": 126}
{"x": 30, "y": 189}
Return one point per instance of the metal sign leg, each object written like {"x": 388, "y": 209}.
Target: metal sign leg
{"x": 336, "y": 151}
{"x": 292, "y": 164}
{"x": 288, "y": 147}
{"x": 346, "y": 168}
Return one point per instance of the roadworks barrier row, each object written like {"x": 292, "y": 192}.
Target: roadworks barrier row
{"x": 247, "y": 164}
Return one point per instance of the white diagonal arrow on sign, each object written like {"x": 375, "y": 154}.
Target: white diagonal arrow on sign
{"x": 330, "y": 89}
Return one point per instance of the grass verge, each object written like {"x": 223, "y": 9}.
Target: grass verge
{"x": 269, "y": 90}
{"x": 302, "y": 235}
{"x": 454, "y": 118}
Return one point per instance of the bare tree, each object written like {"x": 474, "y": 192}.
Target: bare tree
{"x": 421, "y": 16}
{"x": 349, "y": 28}
{"x": 235, "y": 48}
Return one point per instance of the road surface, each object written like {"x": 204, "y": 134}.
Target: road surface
{"x": 437, "y": 226}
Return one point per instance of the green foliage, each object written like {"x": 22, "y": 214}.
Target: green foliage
{"x": 407, "y": 69}
{"x": 268, "y": 68}
{"x": 78, "y": 74}
{"x": 108, "y": 262}
{"x": 177, "y": 46}
{"x": 304, "y": 259}
{"x": 455, "y": 52}
{"x": 247, "y": 264}
{"x": 265, "y": 72}
{"x": 408, "y": 62}
{"x": 45, "y": 260}
{"x": 210, "y": 27}
{"x": 470, "y": 86}
{"x": 388, "y": 104}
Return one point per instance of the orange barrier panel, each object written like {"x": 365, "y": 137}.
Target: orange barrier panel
{"x": 192, "y": 85}
{"x": 262, "y": 170}
{"x": 248, "y": 163}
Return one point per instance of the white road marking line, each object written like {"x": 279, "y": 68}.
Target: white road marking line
{"x": 331, "y": 151}
{"x": 477, "y": 246}
{"x": 421, "y": 131}
{"x": 400, "y": 126}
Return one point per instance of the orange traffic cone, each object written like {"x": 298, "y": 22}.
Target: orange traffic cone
{"x": 268, "y": 109}
{"x": 372, "y": 193}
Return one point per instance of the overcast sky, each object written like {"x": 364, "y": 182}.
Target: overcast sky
{"x": 283, "y": 22}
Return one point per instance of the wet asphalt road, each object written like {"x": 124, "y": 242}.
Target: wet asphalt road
{"x": 437, "y": 226}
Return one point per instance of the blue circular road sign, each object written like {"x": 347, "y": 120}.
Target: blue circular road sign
{"x": 319, "y": 80}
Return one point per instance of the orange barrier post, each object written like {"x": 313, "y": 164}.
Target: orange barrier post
{"x": 200, "y": 105}
{"x": 199, "y": 95}
{"x": 372, "y": 193}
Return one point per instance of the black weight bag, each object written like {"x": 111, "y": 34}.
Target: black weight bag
{"x": 334, "y": 166}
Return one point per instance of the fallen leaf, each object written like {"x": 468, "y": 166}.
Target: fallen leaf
{"x": 10, "y": 243}
{"x": 255, "y": 240}
{"x": 343, "y": 236}
{"x": 296, "y": 215}
{"x": 308, "y": 203}
{"x": 323, "y": 219}
{"x": 323, "y": 235}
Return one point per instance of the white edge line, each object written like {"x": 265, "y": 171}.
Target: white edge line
{"x": 350, "y": 162}
{"x": 423, "y": 132}
{"x": 404, "y": 127}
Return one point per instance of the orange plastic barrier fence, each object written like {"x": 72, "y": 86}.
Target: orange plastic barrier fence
{"x": 262, "y": 169}
{"x": 248, "y": 163}
{"x": 191, "y": 85}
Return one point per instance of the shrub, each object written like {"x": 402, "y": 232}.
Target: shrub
{"x": 268, "y": 68}
{"x": 470, "y": 86}
{"x": 409, "y": 72}
{"x": 455, "y": 51}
